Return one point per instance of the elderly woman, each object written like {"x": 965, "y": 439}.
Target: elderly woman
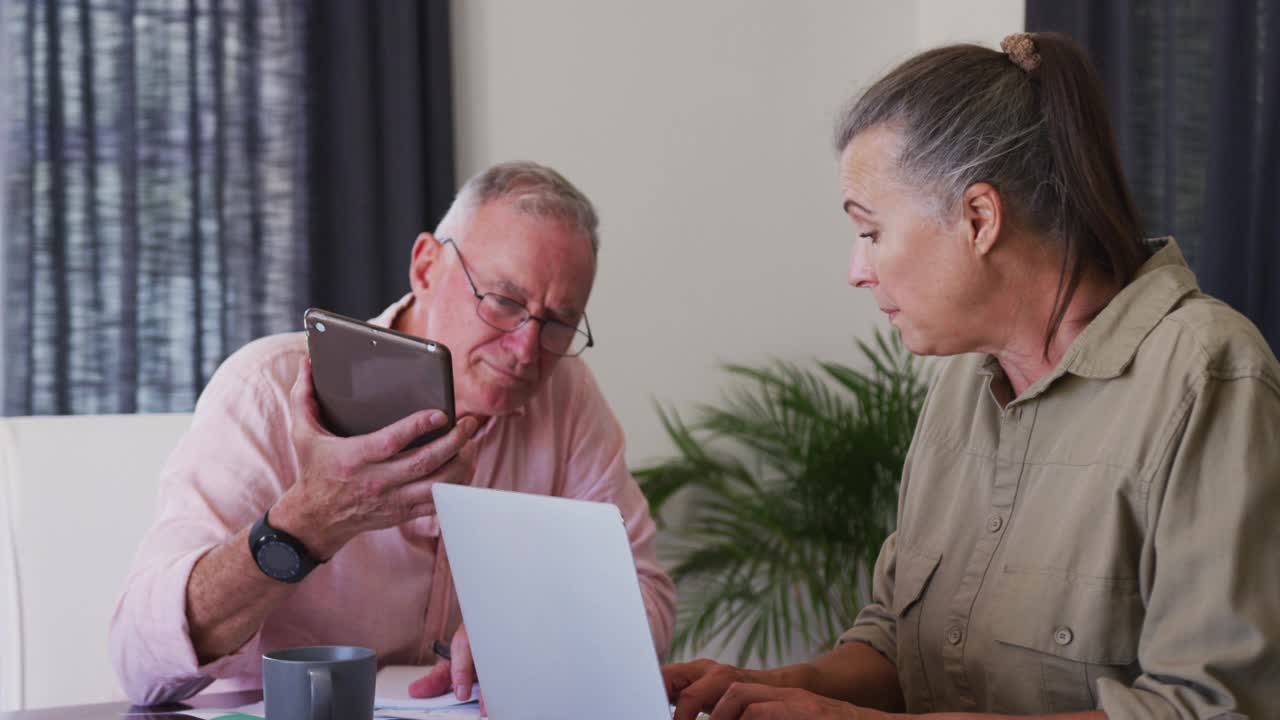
{"x": 1089, "y": 517}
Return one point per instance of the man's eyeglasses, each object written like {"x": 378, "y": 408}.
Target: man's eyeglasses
{"x": 502, "y": 313}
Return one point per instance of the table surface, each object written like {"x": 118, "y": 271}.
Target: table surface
{"x": 115, "y": 711}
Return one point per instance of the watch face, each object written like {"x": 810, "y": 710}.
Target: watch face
{"x": 278, "y": 560}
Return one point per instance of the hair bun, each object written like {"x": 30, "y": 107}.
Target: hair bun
{"x": 1021, "y": 49}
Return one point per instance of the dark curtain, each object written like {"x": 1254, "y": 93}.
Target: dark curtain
{"x": 1194, "y": 90}
{"x": 183, "y": 176}
{"x": 382, "y": 145}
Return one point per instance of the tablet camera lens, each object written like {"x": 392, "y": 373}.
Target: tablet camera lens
{"x": 319, "y": 327}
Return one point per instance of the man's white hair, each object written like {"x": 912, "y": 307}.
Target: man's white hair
{"x": 532, "y": 188}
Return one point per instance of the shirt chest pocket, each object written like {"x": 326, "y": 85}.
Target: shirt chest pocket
{"x": 1076, "y": 630}
{"x": 914, "y": 570}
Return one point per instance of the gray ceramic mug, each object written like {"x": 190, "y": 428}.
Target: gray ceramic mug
{"x": 327, "y": 682}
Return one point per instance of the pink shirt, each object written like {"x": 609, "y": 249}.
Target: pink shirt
{"x": 389, "y": 590}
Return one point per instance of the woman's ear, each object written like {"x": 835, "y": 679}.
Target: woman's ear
{"x": 426, "y": 254}
{"x": 984, "y": 215}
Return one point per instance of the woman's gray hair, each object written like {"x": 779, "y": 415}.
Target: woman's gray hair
{"x": 534, "y": 189}
{"x": 966, "y": 114}
{"x": 1033, "y": 123}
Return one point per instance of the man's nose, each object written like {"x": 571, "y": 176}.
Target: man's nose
{"x": 524, "y": 342}
{"x": 861, "y": 273}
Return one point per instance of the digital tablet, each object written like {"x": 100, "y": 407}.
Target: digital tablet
{"x": 367, "y": 377}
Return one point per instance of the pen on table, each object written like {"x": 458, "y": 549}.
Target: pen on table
{"x": 440, "y": 649}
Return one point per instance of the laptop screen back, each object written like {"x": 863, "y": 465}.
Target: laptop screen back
{"x": 552, "y": 605}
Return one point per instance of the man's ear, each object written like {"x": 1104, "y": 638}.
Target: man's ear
{"x": 426, "y": 254}
{"x": 984, "y": 217}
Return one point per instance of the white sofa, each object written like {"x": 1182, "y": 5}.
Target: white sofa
{"x": 76, "y": 495}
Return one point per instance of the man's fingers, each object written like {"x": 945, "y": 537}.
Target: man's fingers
{"x": 434, "y": 684}
{"x": 461, "y": 468}
{"x": 417, "y": 494}
{"x": 464, "y": 669}
{"x": 390, "y": 440}
{"x": 423, "y": 461}
{"x": 417, "y": 498}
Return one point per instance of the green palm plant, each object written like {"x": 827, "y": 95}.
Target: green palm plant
{"x": 792, "y": 485}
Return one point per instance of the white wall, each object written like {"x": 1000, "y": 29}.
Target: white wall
{"x": 701, "y": 129}
{"x": 979, "y": 21}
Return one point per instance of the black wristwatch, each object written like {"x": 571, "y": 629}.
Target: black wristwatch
{"x": 279, "y": 555}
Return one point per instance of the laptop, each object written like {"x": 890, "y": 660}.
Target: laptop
{"x": 552, "y": 604}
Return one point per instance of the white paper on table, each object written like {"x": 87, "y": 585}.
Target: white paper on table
{"x": 392, "y": 692}
{"x": 458, "y": 712}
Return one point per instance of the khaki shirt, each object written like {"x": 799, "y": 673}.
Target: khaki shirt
{"x": 1110, "y": 539}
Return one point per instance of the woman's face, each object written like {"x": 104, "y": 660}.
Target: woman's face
{"x": 918, "y": 263}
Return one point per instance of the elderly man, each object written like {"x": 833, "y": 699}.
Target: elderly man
{"x": 197, "y": 607}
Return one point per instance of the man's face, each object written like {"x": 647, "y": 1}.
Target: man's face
{"x": 541, "y": 263}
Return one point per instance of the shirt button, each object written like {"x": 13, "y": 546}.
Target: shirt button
{"x": 1063, "y": 635}
{"x": 954, "y": 636}
{"x": 994, "y": 523}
